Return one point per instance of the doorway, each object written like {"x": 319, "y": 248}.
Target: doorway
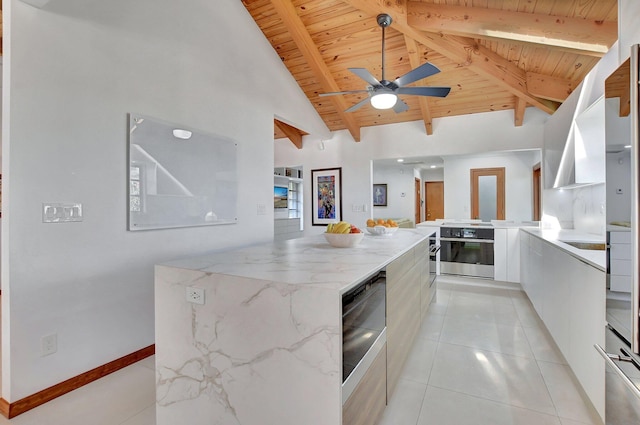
{"x": 537, "y": 181}
{"x": 487, "y": 193}
{"x": 434, "y": 200}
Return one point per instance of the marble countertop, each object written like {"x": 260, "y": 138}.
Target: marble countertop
{"x": 597, "y": 259}
{"x": 307, "y": 261}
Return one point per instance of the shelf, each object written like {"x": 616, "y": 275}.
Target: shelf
{"x": 292, "y": 179}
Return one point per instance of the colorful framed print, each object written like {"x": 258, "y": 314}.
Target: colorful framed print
{"x": 327, "y": 196}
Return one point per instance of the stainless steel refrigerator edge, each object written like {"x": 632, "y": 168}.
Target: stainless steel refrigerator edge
{"x": 622, "y": 354}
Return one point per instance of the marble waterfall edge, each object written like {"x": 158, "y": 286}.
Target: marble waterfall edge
{"x": 257, "y": 352}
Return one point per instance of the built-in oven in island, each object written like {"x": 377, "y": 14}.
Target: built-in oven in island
{"x": 363, "y": 329}
{"x": 466, "y": 251}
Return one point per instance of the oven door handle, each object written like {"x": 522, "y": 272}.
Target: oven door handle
{"x": 466, "y": 240}
{"x": 609, "y": 359}
{"x": 375, "y": 287}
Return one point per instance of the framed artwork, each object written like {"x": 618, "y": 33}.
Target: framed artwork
{"x": 326, "y": 190}
{"x": 380, "y": 195}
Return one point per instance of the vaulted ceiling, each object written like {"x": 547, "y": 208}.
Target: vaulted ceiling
{"x": 494, "y": 54}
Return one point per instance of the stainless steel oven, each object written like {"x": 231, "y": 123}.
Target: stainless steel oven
{"x": 434, "y": 248}
{"x": 363, "y": 329}
{"x": 622, "y": 380}
{"x": 466, "y": 251}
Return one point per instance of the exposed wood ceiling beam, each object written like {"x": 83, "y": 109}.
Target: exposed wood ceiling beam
{"x": 464, "y": 51}
{"x": 617, "y": 85}
{"x": 547, "y": 87}
{"x": 518, "y": 113}
{"x": 291, "y": 132}
{"x": 287, "y": 13}
{"x": 587, "y": 37}
{"x": 414, "y": 60}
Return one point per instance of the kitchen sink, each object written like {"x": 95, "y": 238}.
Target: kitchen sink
{"x": 593, "y": 246}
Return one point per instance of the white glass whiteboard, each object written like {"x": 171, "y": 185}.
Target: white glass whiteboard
{"x": 179, "y": 176}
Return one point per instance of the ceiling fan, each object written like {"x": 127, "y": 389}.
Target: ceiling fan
{"x": 383, "y": 94}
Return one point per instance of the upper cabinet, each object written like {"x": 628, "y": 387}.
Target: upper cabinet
{"x": 574, "y": 139}
{"x": 589, "y": 144}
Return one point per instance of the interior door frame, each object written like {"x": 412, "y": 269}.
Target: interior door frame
{"x": 537, "y": 192}
{"x": 499, "y": 172}
{"x": 417, "y": 214}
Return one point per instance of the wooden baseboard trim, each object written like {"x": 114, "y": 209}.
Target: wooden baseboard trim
{"x": 11, "y": 410}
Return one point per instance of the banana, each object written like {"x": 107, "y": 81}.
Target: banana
{"x": 340, "y": 227}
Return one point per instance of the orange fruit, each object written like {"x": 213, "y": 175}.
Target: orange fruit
{"x": 380, "y": 221}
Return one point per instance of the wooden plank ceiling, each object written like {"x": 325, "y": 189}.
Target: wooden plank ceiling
{"x": 494, "y": 54}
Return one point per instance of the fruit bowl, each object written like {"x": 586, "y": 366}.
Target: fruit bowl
{"x": 381, "y": 230}
{"x": 343, "y": 240}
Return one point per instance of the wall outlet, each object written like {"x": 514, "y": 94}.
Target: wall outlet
{"x": 261, "y": 209}
{"x": 195, "y": 295}
{"x": 49, "y": 344}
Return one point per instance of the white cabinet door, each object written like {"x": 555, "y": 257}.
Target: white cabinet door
{"x": 556, "y": 292}
{"x": 587, "y": 320}
{"x": 500, "y": 255}
{"x": 525, "y": 262}
{"x": 536, "y": 291}
{"x": 620, "y": 261}
{"x": 569, "y": 296}
{"x": 589, "y": 142}
{"x": 513, "y": 255}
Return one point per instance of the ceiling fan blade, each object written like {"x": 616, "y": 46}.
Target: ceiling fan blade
{"x": 343, "y": 92}
{"x": 424, "y": 91}
{"x": 365, "y": 75}
{"x": 400, "y": 106}
{"x": 358, "y": 105}
{"x": 423, "y": 71}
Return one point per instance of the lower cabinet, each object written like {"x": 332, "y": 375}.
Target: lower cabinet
{"x": 506, "y": 254}
{"x": 408, "y": 298}
{"x": 569, "y": 296}
{"x": 368, "y": 400}
{"x": 403, "y": 321}
{"x": 620, "y": 264}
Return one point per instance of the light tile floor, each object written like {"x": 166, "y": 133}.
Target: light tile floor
{"x": 482, "y": 357}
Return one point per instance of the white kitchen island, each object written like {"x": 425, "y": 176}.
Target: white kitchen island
{"x": 266, "y": 345}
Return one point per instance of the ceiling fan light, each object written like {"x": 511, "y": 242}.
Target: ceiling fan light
{"x": 384, "y": 100}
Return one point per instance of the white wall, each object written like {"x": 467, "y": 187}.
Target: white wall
{"x": 618, "y": 178}
{"x": 468, "y": 134}
{"x": 518, "y": 183}
{"x": 628, "y": 28}
{"x": 434, "y": 175}
{"x": 72, "y": 72}
{"x": 400, "y": 183}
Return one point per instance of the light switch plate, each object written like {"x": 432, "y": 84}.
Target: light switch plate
{"x": 61, "y": 213}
